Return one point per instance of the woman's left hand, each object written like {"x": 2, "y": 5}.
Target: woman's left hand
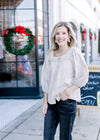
{"x": 63, "y": 95}
{"x": 66, "y": 93}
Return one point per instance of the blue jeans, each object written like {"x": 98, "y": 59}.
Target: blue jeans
{"x": 63, "y": 112}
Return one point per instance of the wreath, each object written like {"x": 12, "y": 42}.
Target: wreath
{"x": 8, "y": 34}
{"x": 83, "y": 31}
{"x": 90, "y": 34}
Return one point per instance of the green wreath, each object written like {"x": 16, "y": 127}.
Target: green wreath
{"x": 8, "y": 33}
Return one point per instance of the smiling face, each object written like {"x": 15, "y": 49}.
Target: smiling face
{"x": 61, "y": 36}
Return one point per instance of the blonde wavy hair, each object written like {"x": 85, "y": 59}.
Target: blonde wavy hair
{"x": 72, "y": 40}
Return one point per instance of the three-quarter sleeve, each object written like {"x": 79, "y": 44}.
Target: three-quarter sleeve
{"x": 81, "y": 69}
{"x": 45, "y": 75}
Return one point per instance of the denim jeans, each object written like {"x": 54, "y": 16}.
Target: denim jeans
{"x": 63, "y": 113}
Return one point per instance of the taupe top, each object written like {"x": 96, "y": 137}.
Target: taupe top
{"x": 60, "y": 73}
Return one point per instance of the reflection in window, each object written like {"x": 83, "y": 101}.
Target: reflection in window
{"x": 11, "y": 4}
{"x": 14, "y": 71}
{"x": 25, "y": 18}
{"x": 40, "y": 23}
{"x": 8, "y": 75}
{"x": 6, "y": 20}
{"x": 26, "y": 73}
{"x": 7, "y": 4}
{"x": 26, "y": 4}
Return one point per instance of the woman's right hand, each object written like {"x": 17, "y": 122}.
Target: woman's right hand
{"x": 44, "y": 108}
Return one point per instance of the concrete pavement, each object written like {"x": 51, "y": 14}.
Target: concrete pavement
{"x": 14, "y": 112}
{"x": 29, "y": 125}
{"x": 11, "y": 109}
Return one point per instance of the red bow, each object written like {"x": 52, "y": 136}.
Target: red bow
{"x": 5, "y": 31}
{"x": 91, "y": 36}
{"x": 21, "y": 30}
{"x": 84, "y": 34}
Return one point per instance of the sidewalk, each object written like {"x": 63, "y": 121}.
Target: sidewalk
{"x": 29, "y": 125}
{"x": 11, "y": 109}
{"x": 14, "y": 112}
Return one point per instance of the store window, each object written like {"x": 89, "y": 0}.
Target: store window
{"x": 17, "y": 71}
{"x": 23, "y": 72}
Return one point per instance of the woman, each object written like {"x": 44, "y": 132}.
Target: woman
{"x": 64, "y": 72}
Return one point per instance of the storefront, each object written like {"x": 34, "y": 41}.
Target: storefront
{"x": 20, "y": 76}
{"x": 83, "y": 39}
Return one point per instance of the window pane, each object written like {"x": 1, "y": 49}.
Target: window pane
{"x": 28, "y": 57}
{"x": 26, "y": 74}
{"x": 40, "y": 23}
{"x": 7, "y": 67}
{"x": 7, "y": 75}
{"x": 25, "y": 18}
{"x": 6, "y": 20}
{"x": 25, "y": 4}
{"x": 31, "y": 55}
